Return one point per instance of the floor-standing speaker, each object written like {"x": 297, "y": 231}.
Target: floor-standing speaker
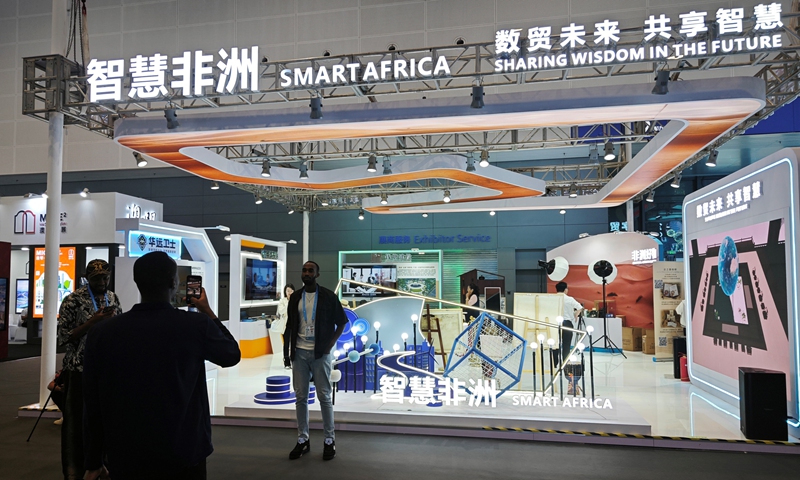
{"x": 762, "y": 404}
{"x": 678, "y": 350}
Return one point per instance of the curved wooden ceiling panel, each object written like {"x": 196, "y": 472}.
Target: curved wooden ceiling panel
{"x": 700, "y": 110}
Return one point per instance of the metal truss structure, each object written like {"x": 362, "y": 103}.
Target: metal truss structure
{"x": 55, "y": 84}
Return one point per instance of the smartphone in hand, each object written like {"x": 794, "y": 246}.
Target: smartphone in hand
{"x": 194, "y": 286}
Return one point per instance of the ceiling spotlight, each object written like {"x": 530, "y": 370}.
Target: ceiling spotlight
{"x": 227, "y": 238}
{"x": 265, "y": 169}
{"x": 140, "y": 160}
{"x": 573, "y": 191}
{"x": 215, "y": 186}
{"x": 361, "y": 214}
{"x": 316, "y": 108}
{"x": 290, "y": 210}
{"x": 609, "y": 149}
{"x": 84, "y": 193}
{"x": 372, "y": 163}
{"x": 662, "y": 82}
{"x": 384, "y": 199}
{"x": 650, "y": 196}
{"x": 711, "y": 161}
{"x": 324, "y": 202}
{"x": 303, "y": 170}
{"x": 484, "y": 158}
{"x": 424, "y": 215}
{"x": 593, "y": 156}
{"x": 583, "y": 235}
{"x": 470, "y": 164}
{"x": 172, "y": 118}
{"x": 562, "y": 211}
{"x": 477, "y": 97}
{"x": 259, "y": 201}
{"x": 29, "y": 195}
{"x": 676, "y": 181}
{"x": 387, "y": 166}
{"x": 446, "y": 198}
{"x": 492, "y": 213}
{"x": 44, "y": 195}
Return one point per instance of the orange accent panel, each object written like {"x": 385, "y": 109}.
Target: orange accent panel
{"x": 255, "y": 348}
{"x": 251, "y": 244}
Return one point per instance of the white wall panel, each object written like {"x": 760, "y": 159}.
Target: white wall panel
{"x": 337, "y": 47}
{"x": 6, "y": 160}
{"x": 34, "y": 7}
{"x": 7, "y": 133}
{"x": 149, "y": 42}
{"x": 204, "y": 11}
{"x": 600, "y": 6}
{"x": 438, "y": 38}
{"x": 31, "y": 132}
{"x": 525, "y": 11}
{"x": 400, "y": 18}
{"x": 209, "y": 37}
{"x": 8, "y": 30}
{"x": 7, "y": 105}
{"x": 327, "y": 26}
{"x": 246, "y": 9}
{"x": 321, "y": 5}
{"x": 8, "y": 53}
{"x": 34, "y": 28}
{"x": 31, "y": 159}
{"x": 148, "y": 16}
{"x": 107, "y": 46}
{"x": 402, "y": 41}
{"x": 104, "y": 20}
{"x": 460, "y": 13}
{"x": 266, "y": 31}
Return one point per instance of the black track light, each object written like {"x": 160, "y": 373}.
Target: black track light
{"x": 477, "y": 97}
{"x": 172, "y": 118}
{"x": 265, "y": 169}
{"x": 316, "y": 107}
{"x": 711, "y": 161}
{"x": 372, "y": 163}
{"x": 662, "y": 83}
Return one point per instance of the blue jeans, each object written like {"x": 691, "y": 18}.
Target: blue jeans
{"x": 303, "y": 366}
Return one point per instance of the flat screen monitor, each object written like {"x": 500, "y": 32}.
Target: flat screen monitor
{"x": 260, "y": 279}
{"x": 22, "y": 295}
{"x": 382, "y": 275}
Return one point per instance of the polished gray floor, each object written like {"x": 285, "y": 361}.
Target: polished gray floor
{"x": 256, "y": 453}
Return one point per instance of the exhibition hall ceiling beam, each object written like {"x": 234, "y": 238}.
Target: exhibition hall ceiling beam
{"x": 468, "y": 143}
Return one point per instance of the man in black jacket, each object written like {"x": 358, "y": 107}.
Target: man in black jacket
{"x": 315, "y": 321}
{"x": 146, "y": 406}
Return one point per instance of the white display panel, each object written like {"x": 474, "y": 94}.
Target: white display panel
{"x": 740, "y": 236}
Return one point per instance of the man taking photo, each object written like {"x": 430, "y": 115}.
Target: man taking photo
{"x": 145, "y": 382}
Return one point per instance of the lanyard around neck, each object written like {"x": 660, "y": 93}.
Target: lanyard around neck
{"x": 314, "y": 311}
{"x": 94, "y": 302}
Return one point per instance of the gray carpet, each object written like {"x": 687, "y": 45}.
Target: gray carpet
{"x": 261, "y": 453}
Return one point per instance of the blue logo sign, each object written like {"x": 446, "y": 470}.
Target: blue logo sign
{"x": 142, "y": 243}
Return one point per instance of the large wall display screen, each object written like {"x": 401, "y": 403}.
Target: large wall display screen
{"x": 260, "y": 279}
{"x": 383, "y": 275}
{"x": 66, "y": 278}
{"x": 742, "y": 277}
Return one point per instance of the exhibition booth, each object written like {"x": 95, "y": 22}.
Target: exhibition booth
{"x": 110, "y": 226}
{"x": 408, "y": 360}
{"x": 87, "y": 224}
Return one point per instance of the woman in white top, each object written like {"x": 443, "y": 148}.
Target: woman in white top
{"x": 471, "y": 299}
{"x": 279, "y": 325}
